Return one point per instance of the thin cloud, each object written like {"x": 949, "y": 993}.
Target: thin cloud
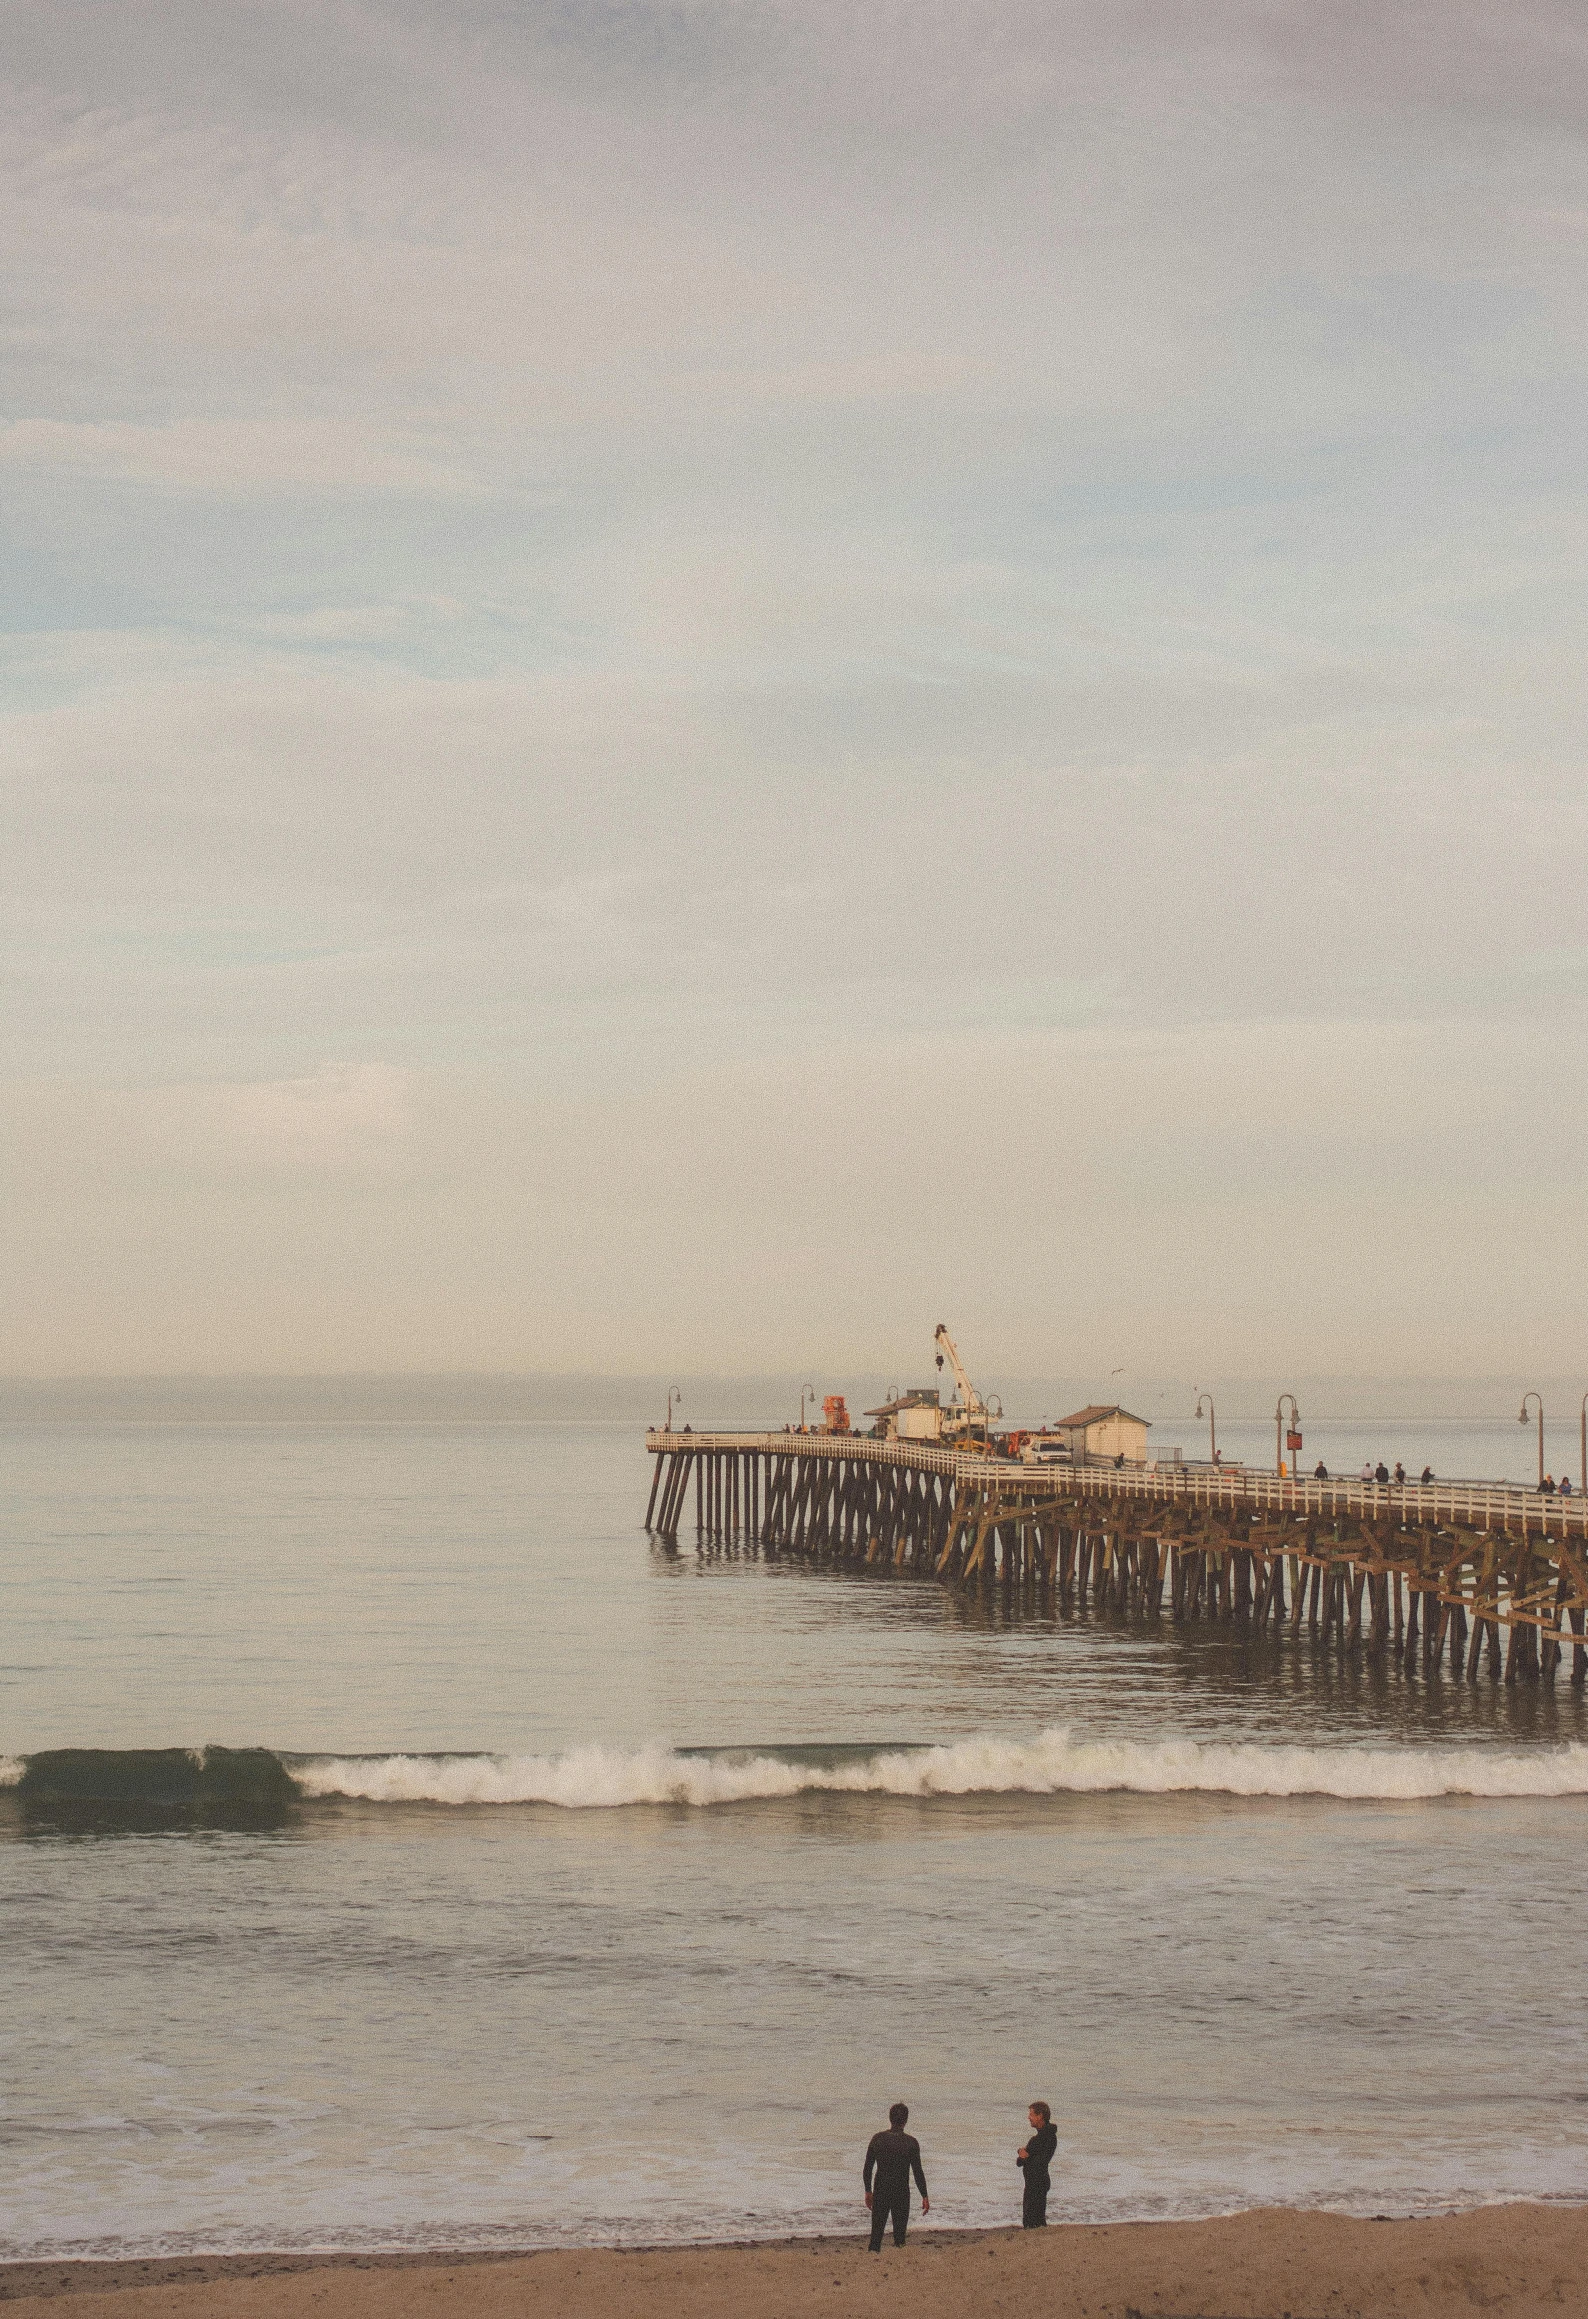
{"x": 555, "y": 555}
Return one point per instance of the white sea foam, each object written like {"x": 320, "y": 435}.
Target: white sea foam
{"x": 1054, "y": 1762}
{"x": 10, "y": 1770}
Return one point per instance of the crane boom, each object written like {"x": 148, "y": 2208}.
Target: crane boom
{"x": 965, "y": 1393}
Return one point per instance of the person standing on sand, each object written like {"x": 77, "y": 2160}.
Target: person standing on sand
{"x": 891, "y": 2159}
{"x": 1033, "y": 2160}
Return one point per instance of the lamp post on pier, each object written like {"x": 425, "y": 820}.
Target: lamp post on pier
{"x": 1279, "y": 1428}
{"x": 1521, "y": 1419}
{"x": 673, "y": 1394}
{"x": 811, "y": 1390}
{"x": 1213, "y": 1436}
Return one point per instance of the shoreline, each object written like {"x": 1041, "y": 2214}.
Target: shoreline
{"x": 1263, "y": 2263}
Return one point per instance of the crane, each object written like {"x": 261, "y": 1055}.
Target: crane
{"x": 968, "y": 1410}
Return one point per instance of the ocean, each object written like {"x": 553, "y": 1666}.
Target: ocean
{"x": 625, "y": 1889}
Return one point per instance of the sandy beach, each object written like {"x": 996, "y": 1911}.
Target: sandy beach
{"x": 1264, "y": 2265}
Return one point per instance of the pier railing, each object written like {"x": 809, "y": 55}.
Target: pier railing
{"x": 1473, "y": 1505}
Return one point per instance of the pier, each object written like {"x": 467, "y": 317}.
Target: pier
{"x": 1485, "y": 1580}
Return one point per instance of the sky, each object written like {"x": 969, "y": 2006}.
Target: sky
{"x": 683, "y": 686}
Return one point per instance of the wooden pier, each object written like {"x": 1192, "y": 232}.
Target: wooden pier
{"x": 1482, "y": 1579}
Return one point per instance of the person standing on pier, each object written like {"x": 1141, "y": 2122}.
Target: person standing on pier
{"x": 1033, "y": 2159}
{"x": 891, "y": 2159}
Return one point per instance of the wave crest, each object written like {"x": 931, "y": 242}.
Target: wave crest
{"x": 1054, "y": 1762}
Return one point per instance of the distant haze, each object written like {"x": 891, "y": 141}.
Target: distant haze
{"x": 702, "y": 1403}
{"x": 684, "y": 686}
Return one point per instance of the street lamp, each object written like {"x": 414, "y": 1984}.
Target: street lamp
{"x": 1521, "y": 1419}
{"x": 1279, "y": 1428}
{"x": 811, "y": 1390}
{"x": 1213, "y": 1437}
{"x": 674, "y": 1393}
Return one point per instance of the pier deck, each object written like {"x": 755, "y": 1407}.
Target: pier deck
{"x": 1433, "y": 1572}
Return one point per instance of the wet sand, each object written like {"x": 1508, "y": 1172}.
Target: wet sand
{"x": 1264, "y": 2265}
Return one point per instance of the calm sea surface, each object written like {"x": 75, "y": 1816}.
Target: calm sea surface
{"x": 518, "y": 1970}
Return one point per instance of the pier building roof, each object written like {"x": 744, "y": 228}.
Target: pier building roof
{"x": 918, "y": 1397}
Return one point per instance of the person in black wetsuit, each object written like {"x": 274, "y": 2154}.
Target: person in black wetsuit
{"x": 891, "y": 2159}
{"x": 1033, "y": 2161}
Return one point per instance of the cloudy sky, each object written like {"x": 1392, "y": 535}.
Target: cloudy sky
{"x": 686, "y": 685}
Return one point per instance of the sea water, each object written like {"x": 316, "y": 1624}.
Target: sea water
{"x": 628, "y": 1887}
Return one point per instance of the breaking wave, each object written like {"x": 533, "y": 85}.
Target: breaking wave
{"x": 1054, "y": 1762}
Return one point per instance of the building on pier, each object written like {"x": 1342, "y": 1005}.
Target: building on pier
{"x": 1100, "y": 1434}
{"x": 913, "y": 1416}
